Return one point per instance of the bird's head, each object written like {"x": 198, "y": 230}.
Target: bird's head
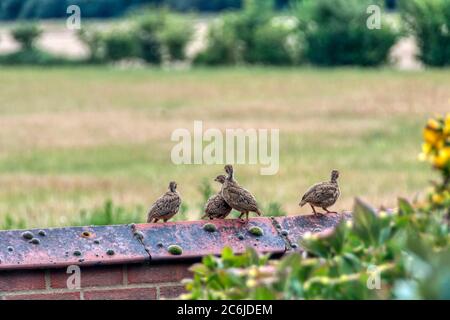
{"x": 220, "y": 178}
{"x": 229, "y": 169}
{"x": 172, "y": 186}
{"x": 334, "y": 175}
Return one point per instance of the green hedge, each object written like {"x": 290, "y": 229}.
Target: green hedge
{"x": 154, "y": 37}
{"x": 250, "y": 35}
{"x": 429, "y": 22}
{"x": 335, "y": 33}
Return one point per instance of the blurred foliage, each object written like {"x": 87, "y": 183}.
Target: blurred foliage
{"x": 274, "y": 209}
{"x": 148, "y": 29}
{"x": 46, "y": 9}
{"x": 153, "y": 36}
{"x": 320, "y": 32}
{"x": 248, "y": 36}
{"x": 107, "y": 215}
{"x": 120, "y": 45}
{"x": 175, "y": 36}
{"x": 403, "y": 254}
{"x": 26, "y": 35}
{"x": 335, "y": 33}
{"x": 34, "y": 56}
{"x": 10, "y": 222}
{"x": 429, "y": 22}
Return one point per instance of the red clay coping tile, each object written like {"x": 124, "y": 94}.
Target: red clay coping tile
{"x": 127, "y": 244}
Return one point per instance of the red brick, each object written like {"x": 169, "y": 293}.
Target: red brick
{"x": 158, "y": 273}
{"x": 122, "y": 294}
{"x": 22, "y": 280}
{"x": 171, "y": 292}
{"x": 90, "y": 276}
{"x": 46, "y": 296}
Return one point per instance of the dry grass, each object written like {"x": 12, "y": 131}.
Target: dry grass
{"x": 69, "y": 139}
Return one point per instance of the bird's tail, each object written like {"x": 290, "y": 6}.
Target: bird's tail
{"x": 258, "y": 212}
{"x": 302, "y": 203}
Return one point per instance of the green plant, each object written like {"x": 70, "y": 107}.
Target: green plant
{"x": 335, "y": 33}
{"x": 26, "y": 35}
{"x": 107, "y": 215}
{"x": 274, "y": 209}
{"x": 248, "y": 36}
{"x": 343, "y": 263}
{"x": 11, "y": 222}
{"x": 148, "y": 34}
{"x": 274, "y": 44}
{"x": 223, "y": 44}
{"x": 403, "y": 254}
{"x": 34, "y": 56}
{"x": 175, "y": 36}
{"x": 119, "y": 45}
{"x": 93, "y": 40}
{"x": 429, "y": 22}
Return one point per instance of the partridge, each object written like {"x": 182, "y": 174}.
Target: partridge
{"x": 322, "y": 194}
{"x": 166, "y": 206}
{"x": 216, "y": 206}
{"x": 237, "y": 197}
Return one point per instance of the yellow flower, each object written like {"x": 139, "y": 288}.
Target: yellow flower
{"x": 437, "y": 198}
{"x": 251, "y": 283}
{"x": 442, "y": 158}
{"x": 447, "y": 125}
{"x": 426, "y": 148}
{"x": 431, "y": 136}
{"x": 253, "y": 272}
{"x": 433, "y": 124}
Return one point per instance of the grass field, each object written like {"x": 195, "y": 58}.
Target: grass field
{"x": 72, "y": 138}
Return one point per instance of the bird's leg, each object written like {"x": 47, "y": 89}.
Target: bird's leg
{"x": 328, "y": 211}
{"x": 246, "y": 215}
{"x": 240, "y": 217}
{"x": 165, "y": 220}
{"x": 313, "y": 209}
{"x": 156, "y": 220}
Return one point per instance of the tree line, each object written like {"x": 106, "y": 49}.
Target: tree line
{"x": 51, "y": 9}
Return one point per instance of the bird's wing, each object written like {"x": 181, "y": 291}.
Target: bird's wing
{"x": 210, "y": 204}
{"x": 243, "y": 197}
{"x": 310, "y": 192}
{"x": 164, "y": 205}
{"x": 323, "y": 191}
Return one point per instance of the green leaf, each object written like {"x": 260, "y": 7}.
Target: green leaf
{"x": 365, "y": 223}
{"x": 404, "y": 207}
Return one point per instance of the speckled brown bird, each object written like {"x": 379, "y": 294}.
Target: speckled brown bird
{"x": 166, "y": 206}
{"x": 237, "y": 197}
{"x": 216, "y": 207}
{"x": 322, "y": 194}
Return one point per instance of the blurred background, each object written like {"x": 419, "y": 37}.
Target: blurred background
{"x": 86, "y": 114}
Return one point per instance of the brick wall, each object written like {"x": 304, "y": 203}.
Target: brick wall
{"x": 119, "y": 282}
{"x": 133, "y": 261}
